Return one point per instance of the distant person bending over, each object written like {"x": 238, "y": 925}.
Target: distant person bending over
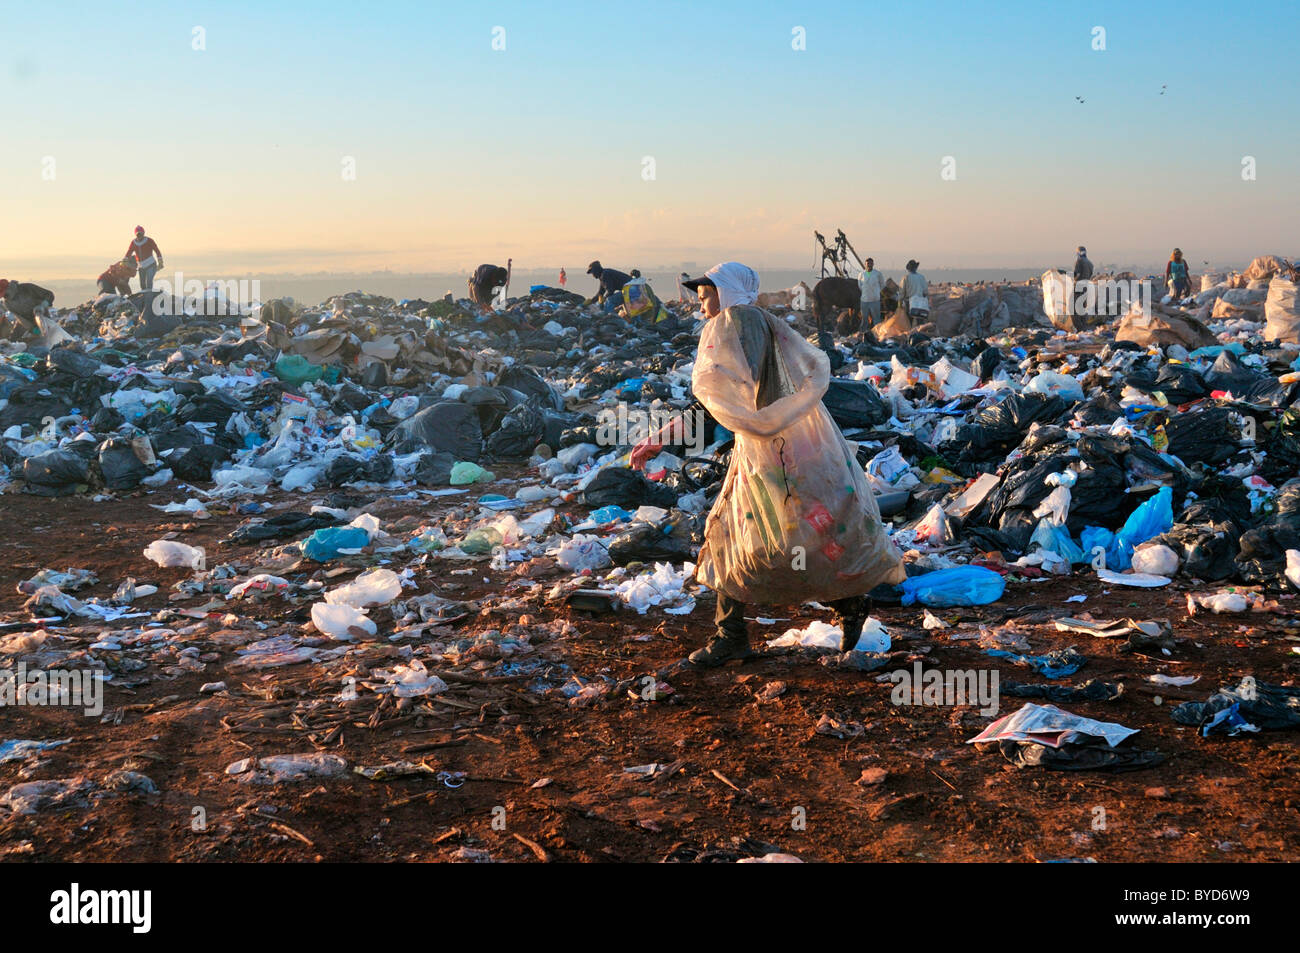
{"x": 116, "y": 279}
{"x": 144, "y": 251}
{"x": 609, "y": 284}
{"x": 485, "y": 281}
{"x": 1177, "y": 278}
{"x": 25, "y": 301}
{"x": 914, "y": 293}
{"x": 795, "y": 519}
{"x": 873, "y": 285}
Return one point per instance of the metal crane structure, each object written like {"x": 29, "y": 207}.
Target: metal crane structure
{"x": 837, "y": 254}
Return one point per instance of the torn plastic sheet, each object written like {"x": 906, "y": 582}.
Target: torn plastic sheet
{"x": 1050, "y": 726}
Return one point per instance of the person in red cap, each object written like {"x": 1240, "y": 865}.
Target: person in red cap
{"x": 148, "y": 259}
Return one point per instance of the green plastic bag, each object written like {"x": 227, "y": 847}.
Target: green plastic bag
{"x": 465, "y": 473}
{"x": 296, "y": 369}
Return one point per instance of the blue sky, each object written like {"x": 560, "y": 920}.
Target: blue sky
{"x": 231, "y": 155}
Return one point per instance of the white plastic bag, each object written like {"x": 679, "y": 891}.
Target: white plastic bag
{"x": 374, "y": 588}
{"x": 169, "y": 553}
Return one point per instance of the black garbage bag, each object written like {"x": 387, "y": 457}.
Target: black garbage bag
{"x": 1207, "y": 436}
{"x": 375, "y": 375}
{"x": 447, "y": 425}
{"x": 618, "y": 486}
{"x": 57, "y": 472}
{"x": 1228, "y": 373}
{"x": 173, "y": 436}
{"x": 215, "y": 408}
{"x": 434, "y": 469}
{"x": 988, "y": 540}
{"x": 350, "y": 399}
{"x": 1140, "y": 465}
{"x": 1090, "y": 754}
{"x": 1098, "y": 411}
{"x": 1093, "y": 690}
{"x": 525, "y": 380}
{"x": 353, "y": 469}
{"x": 520, "y": 432}
{"x": 31, "y": 404}
{"x": 554, "y": 425}
{"x": 854, "y": 404}
{"x": 1178, "y": 382}
{"x": 647, "y": 543}
{"x": 1024, "y": 486}
{"x": 991, "y": 433}
{"x": 121, "y": 465}
{"x": 1283, "y": 447}
{"x": 160, "y": 314}
{"x": 491, "y": 403}
{"x": 986, "y": 363}
{"x": 106, "y": 419}
{"x": 1208, "y": 550}
{"x": 383, "y": 421}
{"x": 74, "y": 363}
{"x": 195, "y": 464}
{"x": 281, "y": 526}
{"x": 1266, "y": 706}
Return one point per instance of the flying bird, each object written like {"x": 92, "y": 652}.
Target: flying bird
{"x": 1162, "y": 89}
{"x": 1079, "y": 98}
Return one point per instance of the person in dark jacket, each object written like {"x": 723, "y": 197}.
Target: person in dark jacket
{"x": 609, "y": 281}
{"x": 485, "y": 281}
{"x": 25, "y": 301}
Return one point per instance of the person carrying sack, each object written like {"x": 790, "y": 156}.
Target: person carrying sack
{"x": 795, "y": 519}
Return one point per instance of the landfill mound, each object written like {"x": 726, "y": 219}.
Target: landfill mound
{"x": 374, "y": 580}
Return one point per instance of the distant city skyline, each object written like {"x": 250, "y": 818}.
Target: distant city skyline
{"x": 328, "y": 137}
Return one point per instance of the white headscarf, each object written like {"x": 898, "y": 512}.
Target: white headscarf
{"x": 736, "y": 283}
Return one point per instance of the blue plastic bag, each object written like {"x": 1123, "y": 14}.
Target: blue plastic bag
{"x": 1057, "y": 539}
{"x": 610, "y": 514}
{"x": 1148, "y": 521}
{"x": 324, "y": 544}
{"x": 958, "y": 586}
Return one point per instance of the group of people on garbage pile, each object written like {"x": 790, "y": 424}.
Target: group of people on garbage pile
{"x": 1011, "y": 449}
{"x": 25, "y": 302}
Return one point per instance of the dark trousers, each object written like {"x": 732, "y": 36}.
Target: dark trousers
{"x": 730, "y": 614}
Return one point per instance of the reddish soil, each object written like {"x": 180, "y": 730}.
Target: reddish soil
{"x": 740, "y": 771}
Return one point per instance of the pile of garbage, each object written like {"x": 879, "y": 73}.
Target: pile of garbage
{"x": 1168, "y": 443}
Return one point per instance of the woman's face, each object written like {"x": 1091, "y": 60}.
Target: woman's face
{"x": 709, "y": 301}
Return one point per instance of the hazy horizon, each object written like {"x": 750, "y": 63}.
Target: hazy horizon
{"x": 428, "y": 138}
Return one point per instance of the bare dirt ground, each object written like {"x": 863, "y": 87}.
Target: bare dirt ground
{"x": 545, "y": 779}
